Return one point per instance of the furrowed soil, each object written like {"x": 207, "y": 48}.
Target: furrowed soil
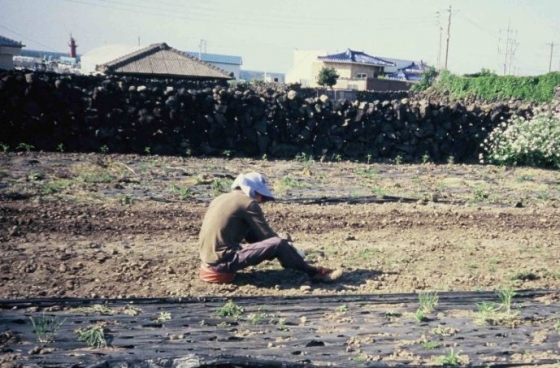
{"x": 123, "y": 226}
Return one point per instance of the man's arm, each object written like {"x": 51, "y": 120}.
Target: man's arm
{"x": 259, "y": 227}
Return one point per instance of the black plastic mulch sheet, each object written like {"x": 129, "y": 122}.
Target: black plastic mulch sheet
{"x": 342, "y": 331}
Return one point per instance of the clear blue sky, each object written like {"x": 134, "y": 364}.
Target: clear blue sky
{"x": 265, "y": 32}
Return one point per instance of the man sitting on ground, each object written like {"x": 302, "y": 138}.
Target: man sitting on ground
{"x": 237, "y": 216}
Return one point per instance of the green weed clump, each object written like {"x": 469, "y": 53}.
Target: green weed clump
{"x": 230, "y": 309}
{"x": 524, "y": 142}
{"x": 93, "y": 336}
{"x": 46, "y": 327}
{"x": 451, "y": 359}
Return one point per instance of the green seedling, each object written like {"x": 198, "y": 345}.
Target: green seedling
{"x": 398, "y": 160}
{"x": 444, "y": 331}
{"x": 184, "y": 191}
{"x": 230, "y": 309}
{"x": 430, "y": 345}
{"x": 360, "y": 359}
{"x": 259, "y": 318}
{"x": 480, "y": 194}
{"x": 450, "y": 359}
{"x": 5, "y": 147}
{"x": 505, "y": 296}
{"x": 93, "y": 336}
{"x": 305, "y": 159}
{"x": 130, "y": 310}
{"x": 342, "y": 309}
{"x": 281, "y": 324}
{"x": 371, "y": 174}
{"x": 104, "y": 149}
{"x": 425, "y": 158}
{"x": 46, "y": 327}
{"x": 163, "y": 316}
{"x": 25, "y": 147}
{"x": 378, "y": 191}
{"x": 55, "y": 186}
{"x": 220, "y": 186}
{"x": 419, "y": 315}
{"x": 95, "y": 309}
{"x": 60, "y": 148}
{"x": 428, "y": 301}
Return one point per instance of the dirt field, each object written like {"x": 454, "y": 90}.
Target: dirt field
{"x": 116, "y": 226}
{"x": 126, "y": 226}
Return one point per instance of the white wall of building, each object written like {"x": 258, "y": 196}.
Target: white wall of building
{"x": 229, "y": 68}
{"x": 302, "y": 68}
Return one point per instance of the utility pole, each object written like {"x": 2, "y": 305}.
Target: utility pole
{"x": 551, "y": 52}
{"x": 202, "y": 42}
{"x": 506, "y": 53}
{"x": 439, "y": 45}
{"x": 448, "y": 37}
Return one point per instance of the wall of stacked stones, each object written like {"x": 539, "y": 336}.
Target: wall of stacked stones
{"x": 125, "y": 115}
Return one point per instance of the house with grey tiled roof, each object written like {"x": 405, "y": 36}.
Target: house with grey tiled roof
{"x": 8, "y": 49}
{"x": 411, "y": 72}
{"x": 161, "y": 61}
{"x": 229, "y": 63}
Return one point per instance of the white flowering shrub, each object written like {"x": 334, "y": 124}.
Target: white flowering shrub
{"x": 524, "y": 142}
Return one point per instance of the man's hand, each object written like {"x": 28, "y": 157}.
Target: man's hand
{"x": 287, "y": 236}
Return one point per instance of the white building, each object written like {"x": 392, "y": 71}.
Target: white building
{"x": 302, "y": 69}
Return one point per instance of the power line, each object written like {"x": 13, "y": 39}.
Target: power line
{"x": 240, "y": 19}
{"x": 27, "y": 38}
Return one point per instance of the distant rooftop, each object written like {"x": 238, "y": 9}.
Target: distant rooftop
{"x": 41, "y": 54}
{"x": 216, "y": 58}
{"x": 351, "y": 56}
{"x": 164, "y": 61}
{"x": 6, "y": 42}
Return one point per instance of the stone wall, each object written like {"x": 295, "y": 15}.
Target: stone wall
{"x": 85, "y": 114}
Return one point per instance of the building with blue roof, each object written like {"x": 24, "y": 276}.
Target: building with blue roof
{"x": 8, "y": 49}
{"x": 354, "y": 68}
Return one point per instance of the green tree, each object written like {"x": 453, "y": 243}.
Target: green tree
{"x": 428, "y": 77}
{"x": 327, "y": 77}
